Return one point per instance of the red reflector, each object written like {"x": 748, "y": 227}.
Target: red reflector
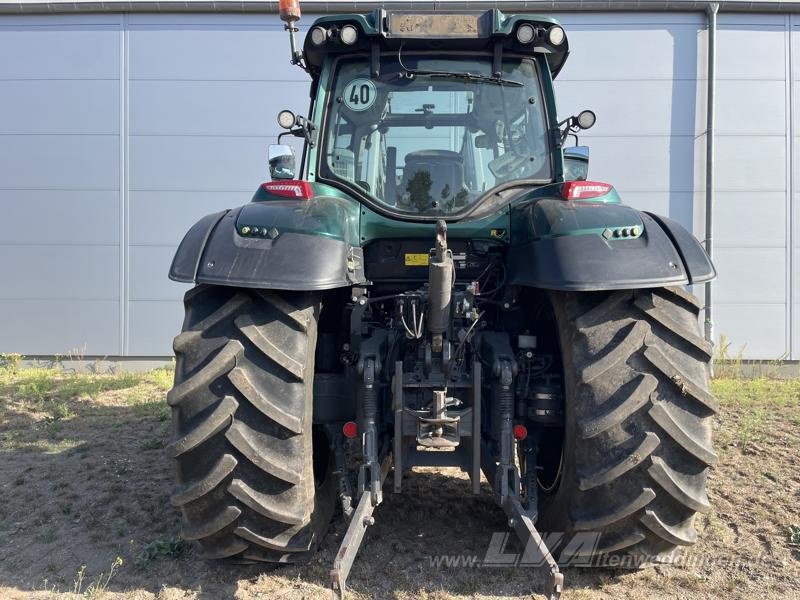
{"x": 581, "y": 190}
{"x": 520, "y": 432}
{"x": 289, "y": 188}
{"x": 350, "y": 429}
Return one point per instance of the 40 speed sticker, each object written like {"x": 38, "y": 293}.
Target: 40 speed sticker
{"x": 359, "y": 94}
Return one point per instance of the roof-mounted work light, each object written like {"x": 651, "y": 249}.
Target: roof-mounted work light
{"x": 556, "y": 35}
{"x": 319, "y": 35}
{"x": 525, "y": 33}
{"x": 348, "y": 35}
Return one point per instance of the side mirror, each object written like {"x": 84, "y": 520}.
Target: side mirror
{"x": 482, "y": 141}
{"x": 576, "y": 163}
{"x": 281, "y": 161}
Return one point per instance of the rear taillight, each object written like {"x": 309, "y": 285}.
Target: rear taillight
{"x": 583, "y": 190}
{"x": 289, "y": 188}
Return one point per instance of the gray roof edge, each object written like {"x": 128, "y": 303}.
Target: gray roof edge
{"x": 23, "y": 7}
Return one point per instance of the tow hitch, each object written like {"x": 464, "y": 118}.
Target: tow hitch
{"x": 526, "y": 531}
{"x": 360, "y": 520}
{"x": 518, "y": 520}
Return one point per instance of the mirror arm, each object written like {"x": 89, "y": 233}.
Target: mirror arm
{"x": 566, "y": 127}
{"x": 289, "y": 132}
{"x": 305, "y": 129}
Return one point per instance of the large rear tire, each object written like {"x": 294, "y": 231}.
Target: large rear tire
{"x": 637, "y": 432}
{"x": 254, "y": 477}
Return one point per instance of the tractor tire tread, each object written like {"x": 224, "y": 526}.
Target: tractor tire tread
{"x": 639, "y": 431}
{"x": 242, "y": 425}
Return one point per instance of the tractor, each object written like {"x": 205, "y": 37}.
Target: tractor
{"x": 438, "y": 283}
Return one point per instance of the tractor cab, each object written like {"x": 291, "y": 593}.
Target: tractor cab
{"x": 427, "y": 115}
{"x": 433, "y": 144}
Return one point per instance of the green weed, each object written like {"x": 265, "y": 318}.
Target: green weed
{"x": 154, "y": 443}
{"x": 98, "y": 587}
{"x": 10, "y": 362}
{"x": 794, "y": 535}
{"x": 162, "y": 378}
{"x": 757, "y": 392}
{"x": 725, "y": 365}
{"x": 159, "y": 550}
{"x": 750, "y": 429}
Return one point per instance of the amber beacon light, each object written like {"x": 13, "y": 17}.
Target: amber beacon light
{"x": 289, "y": 11}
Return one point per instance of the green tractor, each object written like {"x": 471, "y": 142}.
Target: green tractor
{"x": 437, "y": 284}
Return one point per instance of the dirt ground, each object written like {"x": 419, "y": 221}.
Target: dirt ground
{"x": 84, "y": 510}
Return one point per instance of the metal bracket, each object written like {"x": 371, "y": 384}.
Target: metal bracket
{"x": 397, "y": 406}
{"x": 475, "y": 473}
{"x": 362, "y": 518}
{"x": 497, "y": 59}
{"x": 375, "y": 60}
{"x": 344, "y": 489}
{"x": 469, "y": 428}
{"x": 369, "y": 476}
{"x": 526, "y": 531}
{"x": 356, "y": 319}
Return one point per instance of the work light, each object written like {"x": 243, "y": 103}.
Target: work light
{"x": 348, "y": 34}
{"x": 586, "y": 119}
{"x": 318, "y": 35}
{"x": 555, "y": 35}
{"x": 525, "y": 33}
{"x": 286, "y": 119}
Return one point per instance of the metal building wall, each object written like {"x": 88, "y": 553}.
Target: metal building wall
{"x": 118, "y": 131}
{"x": 645, "y": 74}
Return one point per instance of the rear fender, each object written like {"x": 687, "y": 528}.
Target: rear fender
{"x": 600, "y": 245}
{"x": 287, "y": 245}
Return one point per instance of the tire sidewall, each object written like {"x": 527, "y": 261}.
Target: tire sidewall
{"x": 554, "y": 508}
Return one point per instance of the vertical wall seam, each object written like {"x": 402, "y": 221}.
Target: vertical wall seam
{"x": 711, "y": 86}
{"x": 789, "y": 20}
{"x": 125, "y": 177}
{"x": 122, "y": 242}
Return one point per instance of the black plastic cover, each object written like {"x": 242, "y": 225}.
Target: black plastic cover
{"x": 589, "y": 262}
{"x": 213, "y": 252}
{"x": 187, "y": 257}
{"x": 694, "y": 256}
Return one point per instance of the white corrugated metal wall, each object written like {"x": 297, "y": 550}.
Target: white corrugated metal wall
{"x": 118, "y": 131}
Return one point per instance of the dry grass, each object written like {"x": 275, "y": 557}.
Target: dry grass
{"x": 84, "y": 510}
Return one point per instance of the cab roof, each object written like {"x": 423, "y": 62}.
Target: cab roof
{"x": 434, "y": 30}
